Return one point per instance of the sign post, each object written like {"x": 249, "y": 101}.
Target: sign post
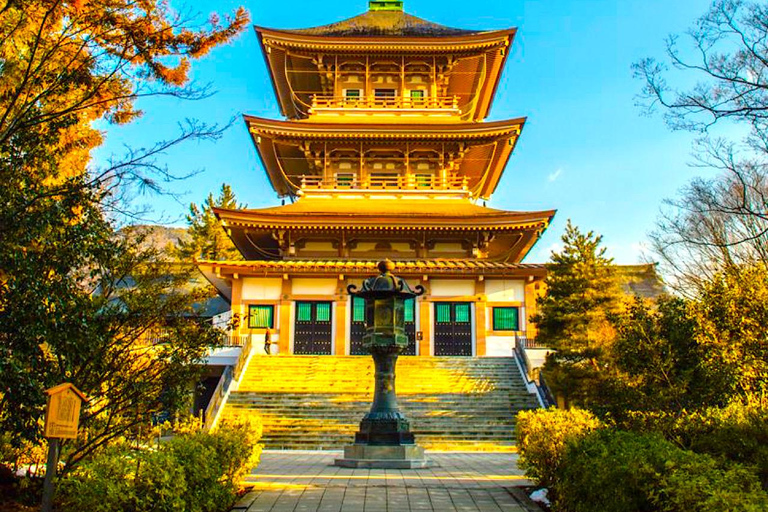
{"x": 62, "y": 416}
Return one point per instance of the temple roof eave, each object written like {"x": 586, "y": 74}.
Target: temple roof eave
{"x": 469, "y": 41}
{"x": 262, "y": 268}
{"x": 403, "y": 131}
{"x": 474, "y": 218}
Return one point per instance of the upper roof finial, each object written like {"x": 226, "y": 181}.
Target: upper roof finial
{"x": 385, "y": 5}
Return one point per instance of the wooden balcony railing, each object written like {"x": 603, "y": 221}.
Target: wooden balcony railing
{"x": 409, "y": 182}
{"x": 450, "y": 103}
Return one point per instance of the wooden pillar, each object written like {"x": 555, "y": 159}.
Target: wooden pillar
{"x": 284, "y": 343}
{"x": 481, "y": 310}
{"x": 534, "y": 288}
{"x": 237, "y": 307}
{"x": 340, "y": 338}
{"x": 425, "y": 326}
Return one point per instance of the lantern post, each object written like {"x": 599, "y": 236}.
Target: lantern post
{"x": 385, "y": 439}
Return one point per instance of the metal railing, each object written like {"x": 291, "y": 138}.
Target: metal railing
{"x": 407, "y": 182}
{"x": 162, "y": 336}
{"x": 528, "y": 341}
{"x": 320, "y": 102}
{"x": 234, "y": 341}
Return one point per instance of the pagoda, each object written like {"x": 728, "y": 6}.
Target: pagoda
{"x": 383, "y": 153}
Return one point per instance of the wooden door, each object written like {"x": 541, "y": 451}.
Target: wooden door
{"x": 357, "y": 328}
{"x": 312, "y": 335}
{"x": 453, "y": 328}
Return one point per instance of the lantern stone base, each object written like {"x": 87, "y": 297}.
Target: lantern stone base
{"x": 408, "y": 456}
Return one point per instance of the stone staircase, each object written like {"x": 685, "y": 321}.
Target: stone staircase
{"x": 316, "y": 402}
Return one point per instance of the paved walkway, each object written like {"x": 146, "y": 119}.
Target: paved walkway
{"x": 304, "y": 481}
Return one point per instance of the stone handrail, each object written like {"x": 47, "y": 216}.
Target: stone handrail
{"x": 218, "y": 397}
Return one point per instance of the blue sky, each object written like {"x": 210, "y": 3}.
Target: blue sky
{"x": 586, "y": 149}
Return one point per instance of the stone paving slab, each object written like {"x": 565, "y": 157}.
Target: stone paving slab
{"x": 307, "y": 481}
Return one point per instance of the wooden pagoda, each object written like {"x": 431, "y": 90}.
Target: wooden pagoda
{"x": 383, "y": 154}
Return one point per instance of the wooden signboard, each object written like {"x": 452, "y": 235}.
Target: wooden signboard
{"x": 62, "y": 413}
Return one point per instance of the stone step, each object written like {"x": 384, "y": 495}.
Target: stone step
{"x": 317, "y": 402}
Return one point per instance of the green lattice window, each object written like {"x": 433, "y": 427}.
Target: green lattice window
{"x": 304, "y": 312}
{"x": 443, "y": 313}
{"x": 358, "y": 309}
{"x": 506, "y": 319}
{"x": 417, "y": 94}
{"x": 410, "y": 305}
{"x": 323, "y": 313}
{"x": 462, "y": 313}
{"x": 261, "y": 316}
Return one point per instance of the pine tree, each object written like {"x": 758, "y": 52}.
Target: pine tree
{"x": 573, "y": 315}
{"x": 207, "y": 238}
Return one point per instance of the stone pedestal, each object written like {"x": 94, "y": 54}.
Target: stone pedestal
{"x": 383, "y": 457}
{"x": 384, "y": 440}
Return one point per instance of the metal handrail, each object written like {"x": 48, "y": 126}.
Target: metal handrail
{"x": 393, "y": 102}
{"x": 161, "y": 336}
{"x": 528, "y": 341}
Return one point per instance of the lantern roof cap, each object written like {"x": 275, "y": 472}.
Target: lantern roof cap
{"x": 385, "y": 284}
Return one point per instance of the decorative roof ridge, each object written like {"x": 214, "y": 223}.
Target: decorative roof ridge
{"x": 381, "y": 25}
{"x": 411, "y": 262}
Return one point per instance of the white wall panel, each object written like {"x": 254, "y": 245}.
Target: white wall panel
{"x": 451, "y": 287}
{"x": 255, "y": 288}
{"x": 503, "y": 290}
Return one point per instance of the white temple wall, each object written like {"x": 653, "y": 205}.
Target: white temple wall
{"x": 499, "y": 346}
{"x": 255, "y": 288}
{"x": 504, "y": 290}
{"x": 451, "y": 287}
{"x": 312, "y": 286}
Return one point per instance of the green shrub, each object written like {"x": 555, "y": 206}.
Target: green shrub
{"x": 614, "y": 471}
{"x": 542, "y": 436}
{"x": 214, "y": 464}
{"x": 737, "y": 432}
{"x": 105, "y": 483}
{"x": 195, "y": 471}
{"x": 698, "y": 483}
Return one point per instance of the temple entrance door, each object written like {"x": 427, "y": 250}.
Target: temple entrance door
{"x": 312, "y": 335}
{"x": 410, "y": 326}
{"x": 453, "y": 329}
{"x": 357, "y": 327}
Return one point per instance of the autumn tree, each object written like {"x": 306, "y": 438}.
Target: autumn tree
{"x": 573, "y": 315}
{"x": 732, "y": 314}
{"x": 721, "y": 223}
{"x": 207, "y": 238}
{"x": 76, "y": 298}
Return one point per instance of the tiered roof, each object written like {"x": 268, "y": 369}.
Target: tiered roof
{"x": 384, "y": 215}
{"x": 388, "y": 32}
{"x": 489, "y": 146}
